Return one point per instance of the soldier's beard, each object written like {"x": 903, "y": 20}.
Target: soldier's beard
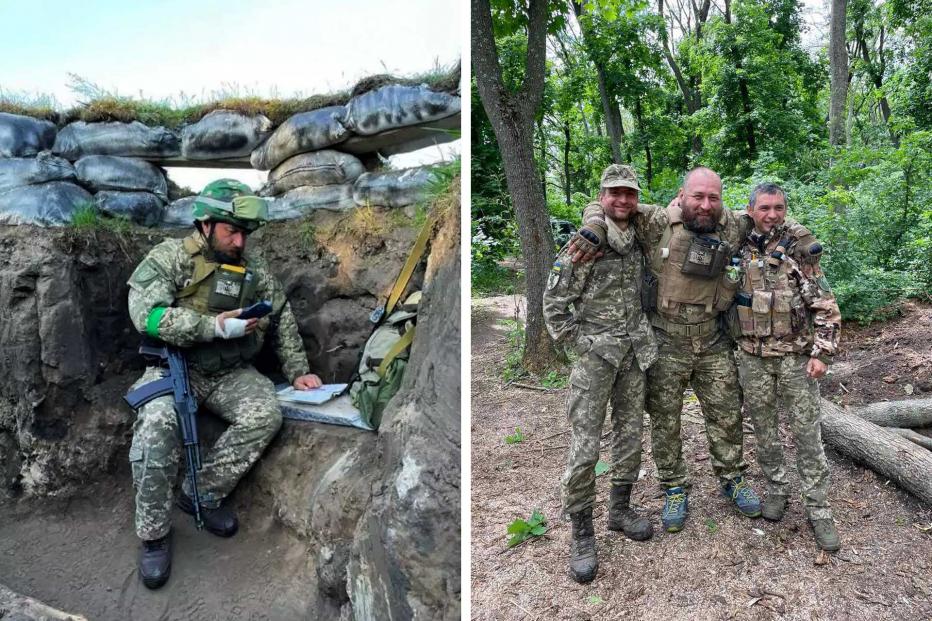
{"x": 697, "y": 223}
{"x": 224, "y": 257}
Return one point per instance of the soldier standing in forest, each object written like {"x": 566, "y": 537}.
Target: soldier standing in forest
{"x": 687, "y": 245}
{"x": 596, "y": 308}
{"x": 787, "y": 325}
{"x": 187, "y": 293}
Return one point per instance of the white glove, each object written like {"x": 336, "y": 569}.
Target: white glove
{"x": 232, "y": 328}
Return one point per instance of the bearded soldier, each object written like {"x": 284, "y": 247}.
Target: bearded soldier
{"x": 596, "y": 308}
{"x": 187, "y": 293}
{"x": 687, "y": 245}
{"x": 787, "y": 326}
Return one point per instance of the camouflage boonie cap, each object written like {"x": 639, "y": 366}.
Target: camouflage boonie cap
{"x": 620, "y": 176}
{"x": 228, "y": 200}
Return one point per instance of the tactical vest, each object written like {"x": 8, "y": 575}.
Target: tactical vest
{"x": 214, "y": 288}
{"x": 769, "y": 304}
{"x": 689, "y": 268}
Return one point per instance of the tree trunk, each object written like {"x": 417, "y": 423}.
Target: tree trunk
{"x": 690, "y": 91}
{"x": 886, "y": 453}
{"x": 512, "y": 118}
{"x": 909, "y": 413}
{"x": 912, "y": 436}
{"x": 838, "y": 59}
{"x": 606, "y": 95}
{"x": 567, "y": 187}
{"x": 646, "y": 138}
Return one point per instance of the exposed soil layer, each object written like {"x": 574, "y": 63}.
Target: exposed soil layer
{"x": 79, "y": 555}
{"x": 884, "y": 361}
{"x": 722, "y": 566}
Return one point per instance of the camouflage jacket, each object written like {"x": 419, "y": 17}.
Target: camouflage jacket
{"x": 797, "y": 288}
{"x": 168, "y": 268}
{"x": 596, "y": 306}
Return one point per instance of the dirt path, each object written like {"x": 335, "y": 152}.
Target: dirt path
{"x": 722, "y": 566}
{"x": 80, "y": 556}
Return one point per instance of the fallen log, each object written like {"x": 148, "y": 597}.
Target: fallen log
{"x": 912, "y": 436}
{"x": 909, "y": 413}
{"x": 884, "y": 452}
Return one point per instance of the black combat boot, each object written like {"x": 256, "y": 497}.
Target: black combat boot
{"x": 622, "y": 517}
{"x": 583, "y": 562}
{"x": 220, "y": 521}
{"x": 155, "y": 561}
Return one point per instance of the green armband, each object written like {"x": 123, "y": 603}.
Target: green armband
{"x": 152, "y": 323}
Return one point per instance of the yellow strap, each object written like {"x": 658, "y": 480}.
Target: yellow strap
{"x": 202, "y": 270}
{"x": 420, "y": 245}
{"x": 400, "y": 345}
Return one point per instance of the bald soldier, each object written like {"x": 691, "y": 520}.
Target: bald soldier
{"x": 595, "y": 308}
{"x": 687, "y": 245}
{"x": 787, "y": 326}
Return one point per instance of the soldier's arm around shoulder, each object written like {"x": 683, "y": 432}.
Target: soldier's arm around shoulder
{"x": 815, "y": 291}
{"x": 289, "y": 347}
{"x": 564, "y": 286}
{"x": 152, "y": 291}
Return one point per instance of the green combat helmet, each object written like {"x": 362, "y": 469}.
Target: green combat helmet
{"x": 228, "y": 200}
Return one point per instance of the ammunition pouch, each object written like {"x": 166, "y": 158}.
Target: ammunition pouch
{"x": 706, "y": 257}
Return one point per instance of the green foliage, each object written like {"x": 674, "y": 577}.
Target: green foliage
{"x": 601, "y": 467}
{"x": 514, "y": 367}
{"x": 515, "y": 438}
{"x": 87, "y": 218}
{"x": 555, "y": 379}
{"x": 490, "y": 279}
{"x": 522, "y": 530}
{"x": 711, "y": 525}
{"x": 594, "y": 599}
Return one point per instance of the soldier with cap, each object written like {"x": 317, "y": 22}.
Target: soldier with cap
{"x": 595, "y": 307}
{"x": 188, "y": 293}
{"x": 787, "y": 323}
{"x": 688, "y": 245}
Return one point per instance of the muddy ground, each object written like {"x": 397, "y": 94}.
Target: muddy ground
{"x": 722, "y": 566}
{"x": 79, "y": 555}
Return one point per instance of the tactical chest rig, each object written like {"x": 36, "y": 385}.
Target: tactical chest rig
{"x": 687, "y": 268}
{"x": 214, "y": 288}
{"x": 768, "y": 304}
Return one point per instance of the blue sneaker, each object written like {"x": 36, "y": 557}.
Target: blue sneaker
{"x": 740, "y": 492}
{"x": 675, "y": 509}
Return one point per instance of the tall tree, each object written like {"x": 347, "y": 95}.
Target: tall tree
{"x": 838, "y": 60}
{"x": 512, "y": 115}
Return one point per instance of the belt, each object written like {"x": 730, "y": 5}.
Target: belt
{"x": 684, "y": 329}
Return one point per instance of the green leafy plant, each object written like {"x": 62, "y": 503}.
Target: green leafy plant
{"x": 601, "y": 468}
{"x": 516, "y": 437}
{"x": 711, "y": 525}
{"x": 594, "y": 599}
{"x": 522, "y": 530}
{"x": 555, "y": 379}
{"x": 514, "y": 368}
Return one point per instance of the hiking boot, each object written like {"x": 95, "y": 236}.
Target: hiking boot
{"x": 583, "y": 562}
{"x": 740, "y": 492}
{"x": 675, "y": 509}
{"x": 220, "y": 521}
{"x": 622, "y": 517}
{"x": 826, "y": 536}
{"x": 155, "y": 561}
{"x": 774, "y": 507}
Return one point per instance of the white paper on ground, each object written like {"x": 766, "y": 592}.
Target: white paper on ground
{"x": 314, "y": 396}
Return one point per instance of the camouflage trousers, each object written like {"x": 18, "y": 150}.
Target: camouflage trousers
{"x": 594, "y": 383}
{"x": 710, "y": 369}
{"x": 762, "y": 380}
{"x": 244, "y": 398}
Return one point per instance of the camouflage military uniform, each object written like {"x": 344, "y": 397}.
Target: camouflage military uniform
{"x": 236, "y": 391}
{"x": 792, "y": 316}
{"x": 615, "y": 343}
{"x": 693, "y": 350}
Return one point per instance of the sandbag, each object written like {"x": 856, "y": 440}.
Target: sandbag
{"x": 127, "y": 174}
{"x": 222, "y": 134}
{"x": 18, "y": 171}
{"x": 179, "y": 213}
{"x": 24, "y": 136}
{"x": 319, "y": 168}
{"x": 142, "y": 208}
{"x": 301, "y": 201}
{"x": 301, "y": 133}
{"x": 134, "y": 139}
{"x": 394, "y": 188}
{"x": 394, "y": 106}
{"x": 45, "y": 204}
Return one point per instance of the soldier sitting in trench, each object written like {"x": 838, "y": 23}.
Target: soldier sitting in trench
{"x": 188, "y": 293}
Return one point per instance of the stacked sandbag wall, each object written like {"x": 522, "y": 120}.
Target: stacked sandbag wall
{"x": 314, "y": 158}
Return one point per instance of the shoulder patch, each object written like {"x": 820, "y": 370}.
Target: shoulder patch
{"x": 144, "y": 274}
{"x": 822, "y": 281}
{"x": 556, "y": 272}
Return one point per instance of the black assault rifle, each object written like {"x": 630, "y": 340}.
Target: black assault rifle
{"x": 174, "y": 382}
